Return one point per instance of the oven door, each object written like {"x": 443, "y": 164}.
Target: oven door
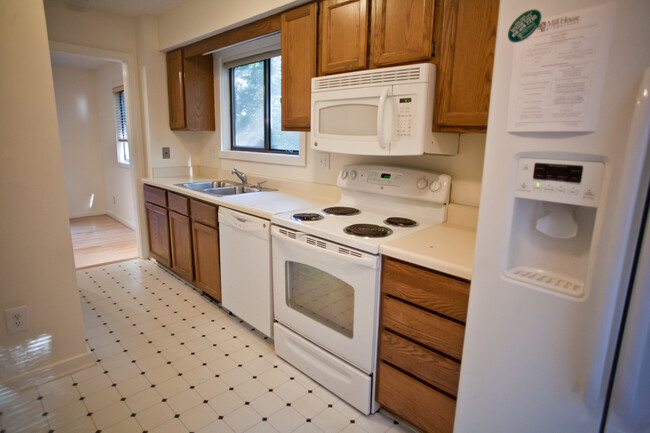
{"x": 327, "y": 293}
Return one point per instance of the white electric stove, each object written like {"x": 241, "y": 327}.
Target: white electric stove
{"x": 326, "y": 272}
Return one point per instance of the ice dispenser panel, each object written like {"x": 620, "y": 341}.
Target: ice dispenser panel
{"x": 553, "y": 221}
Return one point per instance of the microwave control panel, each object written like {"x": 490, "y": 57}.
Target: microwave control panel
{"x": 560, "y": 181}
{"x": 405, "y": 116}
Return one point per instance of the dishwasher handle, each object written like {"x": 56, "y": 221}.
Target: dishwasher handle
{"x": 255, "y": 226}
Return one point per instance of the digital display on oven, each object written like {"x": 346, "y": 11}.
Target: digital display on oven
{"x": 405, "y": 100}
{"x": 385, "y": 176}
{"x": 562, "y": 173}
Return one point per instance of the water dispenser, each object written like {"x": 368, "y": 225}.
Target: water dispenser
{"x": 553, "y": 223}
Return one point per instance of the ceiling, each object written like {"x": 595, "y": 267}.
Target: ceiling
{"x": 130, "y": 8}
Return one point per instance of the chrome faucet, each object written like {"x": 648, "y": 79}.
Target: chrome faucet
{"x": 240, "y": 175}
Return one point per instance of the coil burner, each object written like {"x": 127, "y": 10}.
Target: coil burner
{"x": 307, "y": 216}
{"x": 368, "y": 230}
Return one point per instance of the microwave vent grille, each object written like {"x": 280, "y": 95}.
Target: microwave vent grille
{"x": 374, "y": 77}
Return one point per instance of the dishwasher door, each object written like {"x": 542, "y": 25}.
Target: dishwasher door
{"x": 245, "y": 251}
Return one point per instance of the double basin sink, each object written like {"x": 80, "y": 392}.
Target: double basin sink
{"x": 222, "y": 187}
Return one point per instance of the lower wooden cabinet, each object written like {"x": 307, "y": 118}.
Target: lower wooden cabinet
{"x": 180, "y": 234}
{"x": 158, "y": 226}
{"x": 421, "y": 332}
{"x": 184, "y": 236}
{"x": 207, "y": 272}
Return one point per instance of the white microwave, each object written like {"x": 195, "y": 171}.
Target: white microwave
{"x": 385, "y": 111}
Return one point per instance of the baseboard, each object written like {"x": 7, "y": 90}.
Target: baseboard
{"x": 122, "y": 220}
{"x": 50, "y": 372}
{"x": 87, "y": 214}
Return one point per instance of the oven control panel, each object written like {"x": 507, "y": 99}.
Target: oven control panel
{"x": 408, "y": 183}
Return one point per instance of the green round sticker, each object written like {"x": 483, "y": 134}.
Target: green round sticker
{"x": 524, "y": 26}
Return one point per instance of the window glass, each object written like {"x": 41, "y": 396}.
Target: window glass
{"x": 256, "y": 107}
{"x": 120, "y": 127}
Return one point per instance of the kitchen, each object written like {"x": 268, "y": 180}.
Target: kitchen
{"x": 188, "y": 148}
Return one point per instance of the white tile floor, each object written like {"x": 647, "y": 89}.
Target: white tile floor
{"x": 171, "y": 360}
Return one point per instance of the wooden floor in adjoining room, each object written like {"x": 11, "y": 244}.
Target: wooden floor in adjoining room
{"x": 98, "y": 240}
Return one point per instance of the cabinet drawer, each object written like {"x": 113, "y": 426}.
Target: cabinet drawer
{"x": 414, "y": 401}
{"x": 155, "y": 195}
{"x": 429, "y": 366}
{"x": 204, "y": 213}
{"x": 445, "y": 295}
{"x": 178, "y": 203}
{"x": 427, "y": 329}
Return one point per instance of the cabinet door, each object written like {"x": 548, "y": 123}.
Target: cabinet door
{"x": 180, "y": 234}
{"x": 190, "y": 90}
{"x": 298, "y": 48}
{"x": 465, "y": 57}
{"x": 206, "y": 259}
{"x": 199, "y": 93}
{"x": 158, "y": 226}
{"x": 401, "y": 31}
{"x": 176, "y": 89}
{"x": 343, "y": 35}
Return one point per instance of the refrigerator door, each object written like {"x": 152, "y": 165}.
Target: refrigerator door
{"x": 629, "y": 407}
{"x": 535, "y": 361}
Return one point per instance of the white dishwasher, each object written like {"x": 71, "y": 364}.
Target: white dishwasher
{"x": 245, "y": 250}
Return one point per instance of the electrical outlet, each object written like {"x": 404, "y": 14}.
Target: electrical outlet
{"x": 113, "y": 199}
{"x": 165, "y": 152}
{"x": 17, "y": 319}
{"x": 324, "y": 160}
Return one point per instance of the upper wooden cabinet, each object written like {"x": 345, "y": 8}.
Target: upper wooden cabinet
{"x": 466, "y": 35}
{"x": 343, "y": 35}
{"x": 401, "y": 31}
{"x": 298, "y": 48}
{"x": 190, "y": 88}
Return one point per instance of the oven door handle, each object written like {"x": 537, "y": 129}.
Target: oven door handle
{"x": 331, "y": 249}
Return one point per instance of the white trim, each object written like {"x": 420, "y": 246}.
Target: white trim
{"x": 239, "y": 51}
{"x": 49, "y": 372}
{"x": 121, "y": 220}
{"x": 87, "y": 214}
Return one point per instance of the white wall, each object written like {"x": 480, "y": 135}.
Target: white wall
{"x": 120, "y": 203}
{"x": 36, "y": 261}
{"x": 196, "y": 19}
{"x": 78, "y": 120}
{"x": 89, "y": 28}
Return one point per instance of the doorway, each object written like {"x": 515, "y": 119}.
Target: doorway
{"x": 98, "y": 169}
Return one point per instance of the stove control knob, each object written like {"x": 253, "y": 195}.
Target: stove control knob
{"x": 353, "y": 174}
{"x": 435, "y": 186}
{"x": 421, "y": 183}
{"x": 344, "y": 174}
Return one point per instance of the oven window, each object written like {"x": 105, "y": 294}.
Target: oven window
{"x": 321, "y": 296}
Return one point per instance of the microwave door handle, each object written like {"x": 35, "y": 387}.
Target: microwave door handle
{"x": 380, "y": 117}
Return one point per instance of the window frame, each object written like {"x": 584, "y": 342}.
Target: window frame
{"x": 122, "y": 145}
{"x": 223, "y": 87}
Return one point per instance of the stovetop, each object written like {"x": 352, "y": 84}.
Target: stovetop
{"x": 375, "y": 195}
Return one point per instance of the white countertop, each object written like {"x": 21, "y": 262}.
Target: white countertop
{"x": 447, "y": 248}
{"x": 444, "y": 248}
{"x": 262, "y": 204}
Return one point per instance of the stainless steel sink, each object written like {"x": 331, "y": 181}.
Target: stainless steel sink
{"x": 207, "y": 184}
{"x": 230, "y": 190}
{"x": 223, "y": 187}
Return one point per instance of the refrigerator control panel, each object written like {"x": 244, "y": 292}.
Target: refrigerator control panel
{"x": 560, "y": 181}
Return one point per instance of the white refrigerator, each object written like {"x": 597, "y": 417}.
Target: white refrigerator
{"x": 558, "y": 327}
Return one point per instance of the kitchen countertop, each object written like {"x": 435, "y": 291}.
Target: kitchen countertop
{"x": 261, "y": 204}
{"x": 446, "y": 248}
